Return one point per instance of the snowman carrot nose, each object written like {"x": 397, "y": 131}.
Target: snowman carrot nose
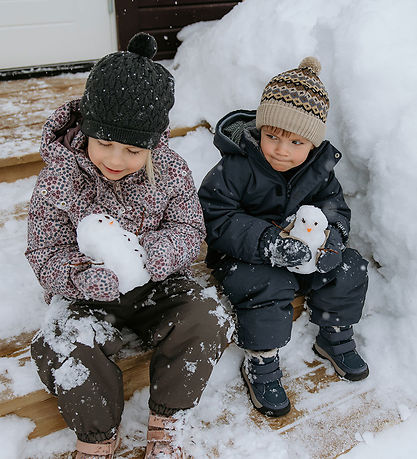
{"x": 308, "y": 229}
{"x": 111, "y": 223}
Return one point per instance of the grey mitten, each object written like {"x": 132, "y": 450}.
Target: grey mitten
{"x": 282, "y": 251}
{"x": 100, "y": 284}
{"x": 331, "y": 254}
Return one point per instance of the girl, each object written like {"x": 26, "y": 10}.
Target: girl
{"x": 107, "y": 153}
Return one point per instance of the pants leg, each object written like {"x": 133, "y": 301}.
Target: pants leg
{"x": 261, "y": 296}
{"x": 71, "y": 353}
{"x": 337, "y": 297}
{"x": 190, "y": 332}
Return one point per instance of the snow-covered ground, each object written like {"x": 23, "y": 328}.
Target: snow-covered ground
{"x": 367, "y": 50}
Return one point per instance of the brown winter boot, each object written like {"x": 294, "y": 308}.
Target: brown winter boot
{"x": 104, "y": 450}
{"x": 159, "y": 439}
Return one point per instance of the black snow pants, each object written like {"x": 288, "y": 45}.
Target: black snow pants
{"x": 261, "y": 296}
{"x": 188, "y": 329}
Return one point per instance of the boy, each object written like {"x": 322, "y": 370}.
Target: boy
{"x": 273, "y": 161}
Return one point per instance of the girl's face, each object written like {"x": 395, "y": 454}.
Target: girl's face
{"x": 116, "y": 160}
{"x": 283, "y": 152}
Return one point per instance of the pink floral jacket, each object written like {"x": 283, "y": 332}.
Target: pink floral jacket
{"x": 167, "y": 215}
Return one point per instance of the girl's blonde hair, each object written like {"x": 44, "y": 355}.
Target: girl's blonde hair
{"x": 151, "y": 171}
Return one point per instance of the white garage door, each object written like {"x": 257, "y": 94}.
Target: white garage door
{"x": 41, "y": 32}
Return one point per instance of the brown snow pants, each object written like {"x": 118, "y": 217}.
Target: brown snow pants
{"x": 188, "y": 330}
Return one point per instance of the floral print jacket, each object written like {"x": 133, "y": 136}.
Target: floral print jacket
{"x": 166, "y": 216}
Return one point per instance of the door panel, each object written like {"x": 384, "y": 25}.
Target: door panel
{"x": 42, "y": 32}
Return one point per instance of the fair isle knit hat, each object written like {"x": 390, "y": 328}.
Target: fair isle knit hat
{"x": 296, "y": 101}
{"x": 128, "y": 96}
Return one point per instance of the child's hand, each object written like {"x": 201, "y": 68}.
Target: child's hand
{"x": 282, "y": 252}
{"x": 99, "y": 284}
{"x": 331, "y": 255}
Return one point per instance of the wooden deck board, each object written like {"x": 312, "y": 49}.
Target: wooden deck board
{"x": 24, "y": 107}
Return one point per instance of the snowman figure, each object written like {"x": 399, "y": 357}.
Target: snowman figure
{"x": 101, "y": 238}
{"x": 310, "y": 227}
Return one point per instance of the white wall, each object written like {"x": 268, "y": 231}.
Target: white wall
{"x": 39, "y": 32}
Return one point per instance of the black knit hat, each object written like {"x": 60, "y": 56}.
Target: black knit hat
{"x": 127, "y": 96}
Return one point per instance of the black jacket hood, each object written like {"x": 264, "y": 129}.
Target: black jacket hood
{"x": 236, "y": 133}
{"x": 230, "y": 128}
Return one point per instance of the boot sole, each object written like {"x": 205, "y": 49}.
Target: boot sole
{"x": 258, "y": 405}
{"x": 350, "y": 376}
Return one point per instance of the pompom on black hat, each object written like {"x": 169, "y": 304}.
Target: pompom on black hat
{"x": 128, "y": 97}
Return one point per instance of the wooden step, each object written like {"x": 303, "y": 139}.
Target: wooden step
{"x": 25, "y": 106}
{"x": 17, "y": 167}
{"x": 328, "y": 428}
{"x": 41, "y": 407}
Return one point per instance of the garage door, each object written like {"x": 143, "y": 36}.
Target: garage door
{"x": 42, "y": 32}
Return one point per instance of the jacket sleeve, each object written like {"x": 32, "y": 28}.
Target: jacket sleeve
{"x": 177, "y": 241}
{"x": 230, "y": 229}
{"x": 331, "y": 201}
{"x": 53, "y": 252}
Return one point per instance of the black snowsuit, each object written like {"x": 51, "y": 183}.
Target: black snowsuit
{"x": 241, "y": 196}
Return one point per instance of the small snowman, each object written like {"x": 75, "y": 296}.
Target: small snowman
{"x": 101, "y": 238}
{"x": 310, "y": 227}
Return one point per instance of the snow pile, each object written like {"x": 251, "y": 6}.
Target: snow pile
{"x": 367, "y": 52}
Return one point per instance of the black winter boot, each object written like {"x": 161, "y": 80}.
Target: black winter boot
{"x": 337, "y": 345}
{"x": 262, "y": 376}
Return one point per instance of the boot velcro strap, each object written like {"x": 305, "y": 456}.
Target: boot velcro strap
{"x": 338, "y": 349}
{"x": 161, "y": 422}
{"x": 335, "y": 336}
{"x": 96, "y": 449}
{"x": 262, "y": 369}
{"x": 265, "y": 378}
{"x": 159, "y": 435}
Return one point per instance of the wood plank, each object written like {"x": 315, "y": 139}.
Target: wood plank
{"x": 12, "y": 173}
{"x": 173, "y": 16}
{"x": 121, "y": 4}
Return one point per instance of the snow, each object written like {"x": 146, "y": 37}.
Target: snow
{"x": 101, "y": 238}
{"x": 309, "y": 226}
{"x": 367, "y": 52}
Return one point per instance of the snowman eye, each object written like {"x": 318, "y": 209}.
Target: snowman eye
{"x": 106, "y": 216}
{"x": 137, "y": 250}
{"x": 100, "y": 221}
{"x": 315, "y": 223}
{"x": 303, "y": 220}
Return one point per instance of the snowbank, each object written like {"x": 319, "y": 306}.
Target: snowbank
{"x": 367, "y": 52}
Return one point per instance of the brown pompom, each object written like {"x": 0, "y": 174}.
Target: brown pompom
{"x": 311, "y": 62}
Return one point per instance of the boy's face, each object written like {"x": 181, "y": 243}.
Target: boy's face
{"x": 116, "y": 160}
{"x": 284, "y": 152}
